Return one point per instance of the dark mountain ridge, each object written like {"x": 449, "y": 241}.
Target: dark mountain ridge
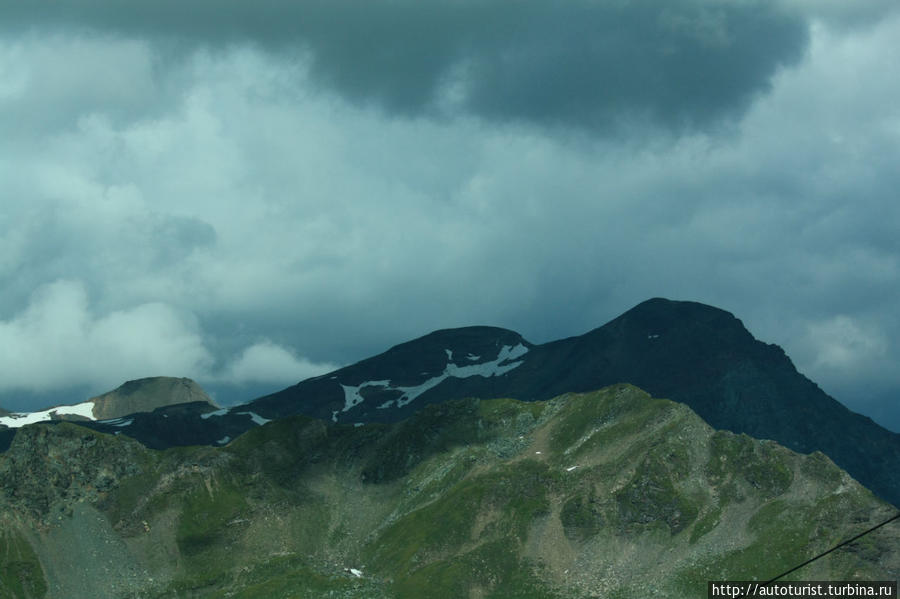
{"x": 686, "y": 351}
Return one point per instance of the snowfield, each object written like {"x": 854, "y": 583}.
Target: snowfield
{"x": 502, "y": 364}
{"x": 20, "y": 419}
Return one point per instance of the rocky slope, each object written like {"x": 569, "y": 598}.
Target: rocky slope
{"x": 609, "y": 493}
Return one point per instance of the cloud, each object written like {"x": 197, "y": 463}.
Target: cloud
{"x": 270, "y": 363}
{"x": 844, "y": 344}
{"x": 587, "y": 65}
{"x": 843, "y": 15}
{"x": 246, "y": 180}
{"x": 58, "y": 342}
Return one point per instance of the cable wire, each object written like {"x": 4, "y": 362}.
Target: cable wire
{"x": 824, "y": 553}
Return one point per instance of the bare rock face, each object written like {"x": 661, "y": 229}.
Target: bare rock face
{"x": 145, "y": 395}
{"x": 50, "y": 467}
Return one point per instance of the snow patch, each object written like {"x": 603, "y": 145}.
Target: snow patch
{"x": 256, "y": 418}
{"x": 495, "y": 367}
{"x": 503, "y": 363}
{"x": 124, "y": 422}
{"x": 224, "y": 440}
{"x": 85, "y": 409}
{"x": 221, "y": 412}
{"x": 570, "y": 468}
{"x": 472, "y": 357}
{"x": 20, "y": 419}
{"x": 352, "y": 395}
{"x": 449, "y": 354}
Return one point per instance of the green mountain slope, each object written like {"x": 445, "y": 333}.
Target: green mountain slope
{"x": 608, "y": 494}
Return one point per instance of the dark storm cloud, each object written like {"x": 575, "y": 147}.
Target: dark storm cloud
{"x": 232, "y": 191}
{"x": 599, "y": 65}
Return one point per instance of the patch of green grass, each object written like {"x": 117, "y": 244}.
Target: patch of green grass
{"x": 521, "y": 492}
{"x": 781, "y": 538}
{"x": 651, "y": 496}
{"x": 597, "y": 419}
{"x": 512, "y": 495}
{"x": 205, "y": 516}
{"x": 435, "y": 429}
{"x": 705, "y": 524}
{"x": 491, "y": 568}
{"x": 439, "y": 527}
{"x": 504, "y": 411}
{"x": 288, "y": 577}
{"x": 132, "y": 491}
{"x": 434, "y": 477}
{"x": 21, "y": 575}
{"x": 283, "y": 450}
{"x": 817, "y": 465}
{"x": 582, "y": 517}
{"x": 761, "y": 464}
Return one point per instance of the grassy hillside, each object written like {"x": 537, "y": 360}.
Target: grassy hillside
{"x": 610, "y": 494}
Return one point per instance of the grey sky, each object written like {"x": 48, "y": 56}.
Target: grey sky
{"x": 250, "y": 193}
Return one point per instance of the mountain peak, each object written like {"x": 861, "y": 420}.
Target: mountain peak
{"x": 441, "y": 365}
{"x": 687, "y": 351}
{"x": 473, "y": 343}
{"x": 147, "y": 394}
{"x": 660, "y": 315}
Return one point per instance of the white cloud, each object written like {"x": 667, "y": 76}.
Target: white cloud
{"x": 846, "y": 344}
{"x": 58, "y": 342}
{"x": 267, "y": 362}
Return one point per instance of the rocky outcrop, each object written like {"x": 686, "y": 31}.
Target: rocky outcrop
{"x": 147, "y": 394}
{"x": 49, "y": 467}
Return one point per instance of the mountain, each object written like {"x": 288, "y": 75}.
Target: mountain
{"x": 147, "y": 394}
{"x": 141, "y": 395}
{"x": 610, "y": 493}
{"x": 685, "y": 351}
{"x": 111, "y": 408}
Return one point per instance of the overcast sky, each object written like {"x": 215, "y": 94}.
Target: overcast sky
{"x": 252, "y": 193}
